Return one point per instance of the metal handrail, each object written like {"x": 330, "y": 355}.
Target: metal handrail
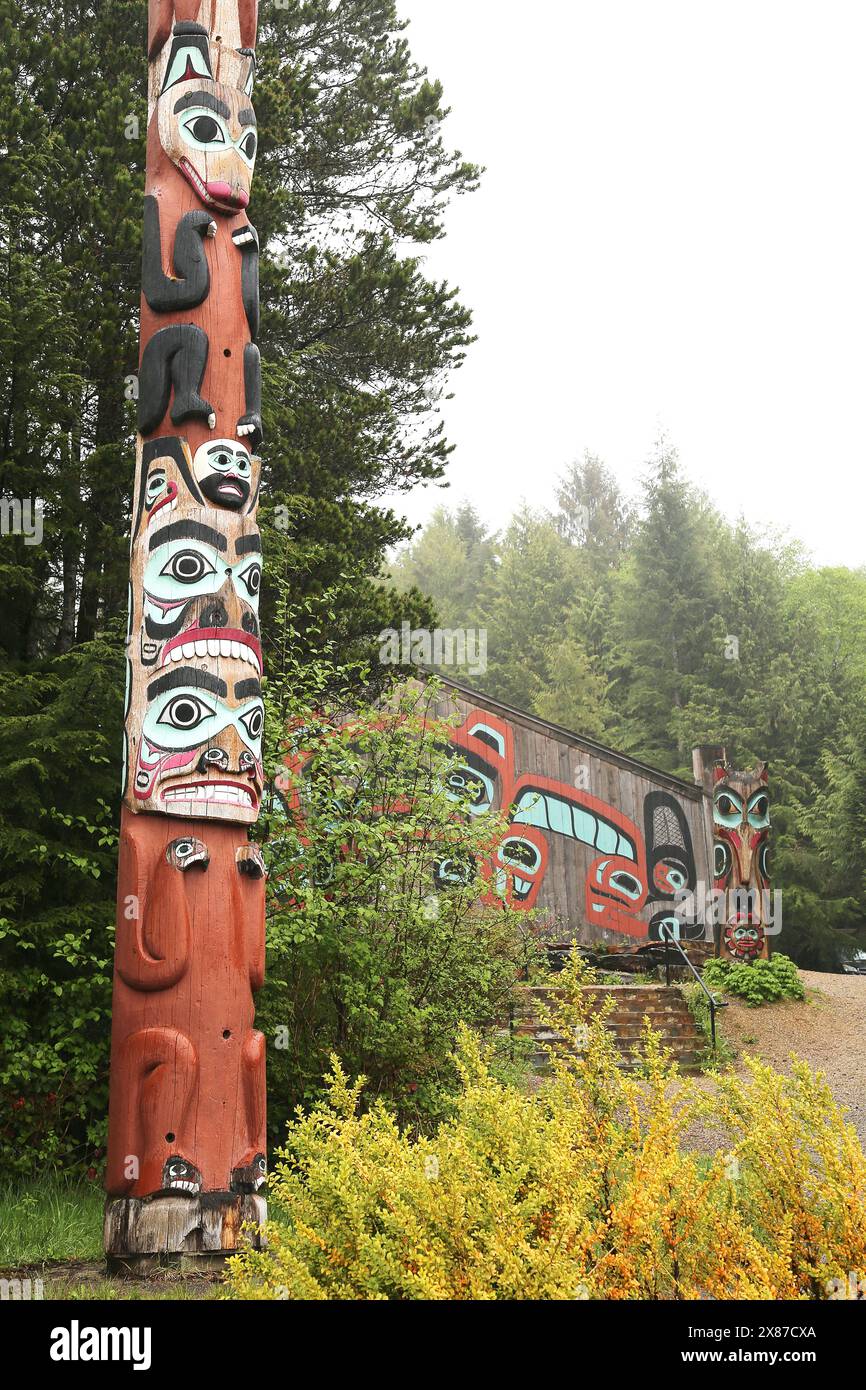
{"x": 669, "y": 939}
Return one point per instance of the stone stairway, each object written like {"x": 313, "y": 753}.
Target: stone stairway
{"x": 664, "y": 1005}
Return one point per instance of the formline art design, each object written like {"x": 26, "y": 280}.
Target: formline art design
{"x": 186, "y": 1150}
{"x": 631, "y": 870}
{"x": 619, "y": 856}
{"x": 606, "y": 850}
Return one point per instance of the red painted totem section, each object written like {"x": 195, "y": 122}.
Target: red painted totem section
{"x": 187, "y": 1104}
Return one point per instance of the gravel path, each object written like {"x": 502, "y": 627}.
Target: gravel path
{"x": 827, "y": 1029}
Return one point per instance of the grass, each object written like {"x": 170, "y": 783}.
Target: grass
{"x": 54, "y": 1219}
{"x": 125, "y": 1290}
{"x": 59, "y": 1220}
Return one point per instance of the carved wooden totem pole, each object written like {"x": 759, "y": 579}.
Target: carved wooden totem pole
{"x": 186, "y": 1150}
{"x": 741, "y": 821}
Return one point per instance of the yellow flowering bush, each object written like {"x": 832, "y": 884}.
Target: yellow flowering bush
{"x": 587, "y": 1188}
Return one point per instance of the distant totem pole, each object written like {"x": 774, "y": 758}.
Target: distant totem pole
{"x": 741, "y": 823}
{"x": 186, "y": 1148}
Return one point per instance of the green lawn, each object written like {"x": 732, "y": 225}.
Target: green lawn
{"x": 43, "y": 1223}
{"x": 54, "y": 1219}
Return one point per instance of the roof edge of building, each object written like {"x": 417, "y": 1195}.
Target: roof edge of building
{"x": 692, "y": 789}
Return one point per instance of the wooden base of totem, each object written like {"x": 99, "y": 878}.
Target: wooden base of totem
{"x": 143, "y": 1234}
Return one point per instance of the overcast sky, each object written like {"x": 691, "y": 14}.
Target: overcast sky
{"x": 671, "y": 233}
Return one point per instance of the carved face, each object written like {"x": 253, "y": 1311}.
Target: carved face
{"x": 168, "y": 475}
{"x": 744, "y": 940}
{"x": 200, "y": 748}
{"x": 206, "y": 122}
{"x": 179, "y": 1175}
{"x": 195, "y": 713}
{"x": 223, "y": 470}
{"x": 741, "y": 819}
{"x": 200, "y": 591}
{"x": 250, "y": 1176}
{"x": 250, "y": 861}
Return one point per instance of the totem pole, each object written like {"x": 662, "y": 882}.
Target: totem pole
{"x": 741, "y": 822}
{"x": 186, "y": 1148}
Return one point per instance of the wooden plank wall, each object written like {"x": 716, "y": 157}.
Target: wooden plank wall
{"x": 581, "y": 776}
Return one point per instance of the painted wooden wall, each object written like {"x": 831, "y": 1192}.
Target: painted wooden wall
{"x": 597, "y": 842}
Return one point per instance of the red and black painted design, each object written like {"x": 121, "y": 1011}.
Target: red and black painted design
{"x": 539, "y": 807}
{"x": 630, "y": 884}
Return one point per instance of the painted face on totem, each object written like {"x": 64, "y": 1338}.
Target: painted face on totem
{"x": 741, "y": 821}
{"x": 250, "y": 1175}
{"x": 223, "y": 470}
{"x": 206, "y": 122}
{"x": 200, "y": 592}
{"x": 200, "y": 749}
{"x": 223, "y": 474}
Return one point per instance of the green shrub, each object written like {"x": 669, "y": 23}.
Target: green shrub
{"x": 383, "y": 932}
{"x": 761, "y": 983}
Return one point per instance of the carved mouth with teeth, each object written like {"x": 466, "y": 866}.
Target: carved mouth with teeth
{"x": 214, "y": 642}
{"x": 250, "y": 1177}
{"x": 224, "y": 203}
{"x": 179, "y": 1175}
{"x": 225, "y": 793}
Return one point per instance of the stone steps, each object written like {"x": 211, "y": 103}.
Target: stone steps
{"x": 664, "y": 1005}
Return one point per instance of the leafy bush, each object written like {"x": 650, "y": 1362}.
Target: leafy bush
{"x": 583, "y": 1189}
{"x": 760, "y": 983}
{"x": 378, "y": 945}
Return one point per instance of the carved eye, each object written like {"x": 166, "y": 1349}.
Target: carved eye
{"x": 251, "y": 578}
{"x": 727, "y": 810}
{"x": 204, "y": 130}
{"x": 759, "y": 811}
{"x": 254, "y": 722}
{"x": 155, "y": 486}
{"x": 183, "y": 848}
{"x": 247, "y": 146}
{"x": 185, "y": 712}
{"x": 187, "y": 567}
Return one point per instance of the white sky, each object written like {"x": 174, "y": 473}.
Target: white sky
{"x": 671, "y": 233}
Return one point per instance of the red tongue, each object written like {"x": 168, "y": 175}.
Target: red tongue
{"x": 223, "y": 193}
